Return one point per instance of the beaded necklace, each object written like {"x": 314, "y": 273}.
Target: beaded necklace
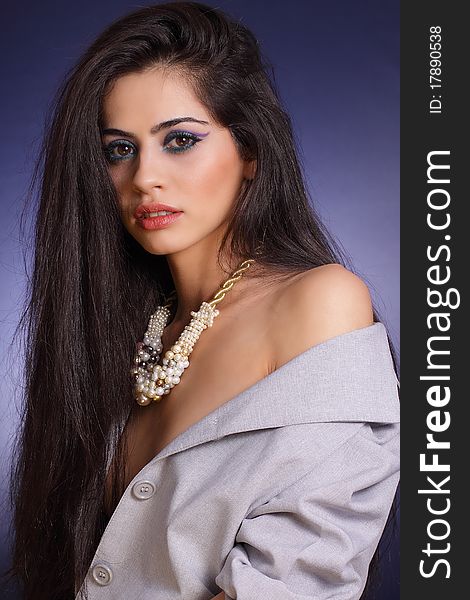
{"x": 152, "y": 380}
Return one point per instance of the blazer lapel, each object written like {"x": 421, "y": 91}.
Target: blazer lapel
{"x": 346, "y": 378}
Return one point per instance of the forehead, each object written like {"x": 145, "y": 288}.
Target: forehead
{"x": 151, "y": 95}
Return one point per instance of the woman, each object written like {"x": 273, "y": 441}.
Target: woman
{"x": 242, "y": 442}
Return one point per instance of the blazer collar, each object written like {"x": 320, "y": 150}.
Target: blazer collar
{"x": 347, "y": 378}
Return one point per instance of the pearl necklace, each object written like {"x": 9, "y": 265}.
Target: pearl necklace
{"x": 152, "y": 380}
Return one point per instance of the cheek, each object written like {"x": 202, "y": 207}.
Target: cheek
{"x": 120, "y": 179}
{"x": 216, "y": 181}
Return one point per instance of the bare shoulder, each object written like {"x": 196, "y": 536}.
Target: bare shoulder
{"x": 320, "y": 304}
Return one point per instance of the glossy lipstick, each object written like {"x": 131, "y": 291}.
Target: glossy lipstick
{"x": 147, "y": 222}
{"x": 158, "y": 222}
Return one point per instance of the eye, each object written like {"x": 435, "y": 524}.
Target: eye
{"x": 184, "y": 140}
{"x": 118, "y": 150}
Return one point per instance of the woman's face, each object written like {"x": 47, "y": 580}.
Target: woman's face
{"x": 192, "y": 165}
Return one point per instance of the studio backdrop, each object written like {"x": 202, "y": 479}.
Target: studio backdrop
{"x": 336, "y": 67}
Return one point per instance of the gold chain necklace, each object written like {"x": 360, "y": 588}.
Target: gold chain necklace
{"x": 151, "y": 380}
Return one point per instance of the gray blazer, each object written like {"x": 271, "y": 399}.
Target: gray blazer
{"x": 281, "y": 493}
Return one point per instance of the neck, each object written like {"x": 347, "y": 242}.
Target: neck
{"x": 197, "y": 276}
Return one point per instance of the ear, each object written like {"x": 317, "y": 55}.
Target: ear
{"x": 249, "y": 169}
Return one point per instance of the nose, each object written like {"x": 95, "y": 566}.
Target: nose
{"x": 149, "y": 172}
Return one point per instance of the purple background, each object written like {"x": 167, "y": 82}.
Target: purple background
{"x": 337, "y": 67}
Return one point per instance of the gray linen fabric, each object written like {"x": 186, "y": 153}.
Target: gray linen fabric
{"x": 281, "y": 493}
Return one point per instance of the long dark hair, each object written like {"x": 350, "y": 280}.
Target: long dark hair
{"x": 93, "y": 287}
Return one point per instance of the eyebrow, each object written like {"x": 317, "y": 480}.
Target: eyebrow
{"x": 156, "y": 128}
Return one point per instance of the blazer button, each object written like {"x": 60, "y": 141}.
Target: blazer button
{"x": 143, "y": 490}
{"x": 102, "y": 574}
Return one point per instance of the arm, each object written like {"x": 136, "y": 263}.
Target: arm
{"x": 315, "y": 539}
{"x": 220, "y": 596}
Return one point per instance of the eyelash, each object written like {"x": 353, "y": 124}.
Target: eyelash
{"x": 171, "y": 136}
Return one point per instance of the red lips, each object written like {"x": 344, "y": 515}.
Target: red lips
{"x": 141, "y": 210}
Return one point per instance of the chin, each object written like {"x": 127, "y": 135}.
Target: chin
{"x": 171, "y": 240}
{"x": 155, "y": 244}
